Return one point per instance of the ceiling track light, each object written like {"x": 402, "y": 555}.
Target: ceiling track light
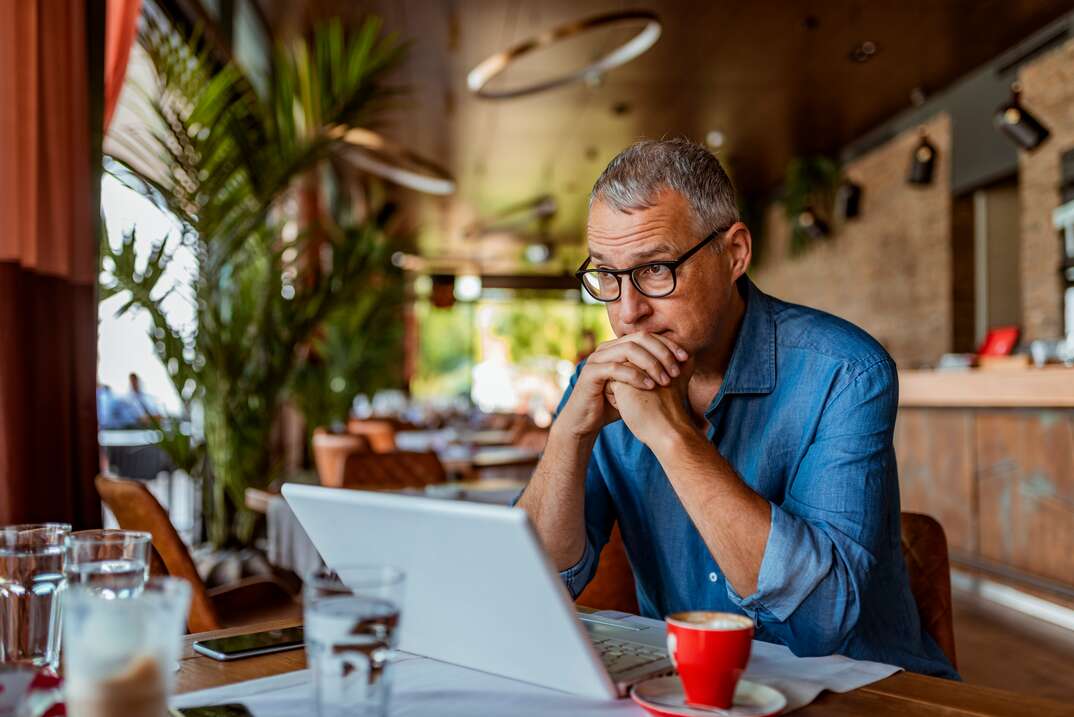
{"x": 1018, "y": 123}
{"x": 922, "y": 161}
{"x": 864, "y": 51}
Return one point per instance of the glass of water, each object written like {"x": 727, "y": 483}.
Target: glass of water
{"x": 31, "y": 578}
{"x": 351, "y": 624}
{"x": 118, "y": 653}
{"x": 112, "y": 562}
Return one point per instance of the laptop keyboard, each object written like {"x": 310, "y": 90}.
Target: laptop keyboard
{"x": 620, "y": 656}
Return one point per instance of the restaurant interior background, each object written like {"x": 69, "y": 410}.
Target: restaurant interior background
{"x": 907, "y": 166}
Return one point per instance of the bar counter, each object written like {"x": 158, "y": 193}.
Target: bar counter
{"x": 992, "y": 388}
{"x": 990, "y": 454}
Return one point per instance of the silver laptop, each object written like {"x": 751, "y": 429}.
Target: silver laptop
{"x": 480, "y": 591}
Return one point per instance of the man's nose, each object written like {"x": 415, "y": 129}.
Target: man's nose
{"x": 633, "y": 305}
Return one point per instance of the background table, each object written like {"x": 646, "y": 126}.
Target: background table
{"x": 902, "y": 694}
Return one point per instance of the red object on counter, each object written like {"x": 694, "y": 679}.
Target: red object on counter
{"x": 999, "y": 341}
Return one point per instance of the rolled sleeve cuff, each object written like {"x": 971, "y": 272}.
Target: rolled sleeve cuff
{"x": 781, "y": 588}
{"x": 577, "y": 576}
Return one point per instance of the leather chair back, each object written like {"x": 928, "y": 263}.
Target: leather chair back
{"x": 924, "y": 546}
{"x": 399, "y": 469}
{"x": 330, "y": 451}
{"x": 135, "y": 508}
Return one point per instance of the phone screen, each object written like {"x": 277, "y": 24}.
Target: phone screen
{"x": 239, "y": 644}
{"x": 230, "y": 710}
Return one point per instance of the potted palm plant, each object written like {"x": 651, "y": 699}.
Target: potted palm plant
{"x": 238, "y": 163}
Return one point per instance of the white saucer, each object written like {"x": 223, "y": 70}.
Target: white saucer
{"x": 664, "y": 697}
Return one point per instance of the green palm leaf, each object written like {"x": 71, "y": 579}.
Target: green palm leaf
{"x": 228, "y": 159}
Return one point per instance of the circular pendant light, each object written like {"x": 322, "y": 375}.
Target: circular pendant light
{"x": 380, "y": 156}
{"x": 481, "y": 75}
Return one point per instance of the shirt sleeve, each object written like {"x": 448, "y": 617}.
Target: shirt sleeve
{"x": 840, "y": 511}
{"x": 599, "y": 518}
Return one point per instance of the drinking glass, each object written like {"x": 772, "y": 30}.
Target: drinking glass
{"x": 31, "y": 578}
{"x": 351, "y": 624}
{"x": 112, "y": 562}
{"x": 118, "y": 653}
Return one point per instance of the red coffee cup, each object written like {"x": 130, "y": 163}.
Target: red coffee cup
{"x": 710, "y": 651}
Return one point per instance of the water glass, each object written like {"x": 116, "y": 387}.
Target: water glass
{"x": 113, "y": 562}
{"x": 31, "y": 579}
{"x": 351, "y": 623}
{"x": 118, "y": 653}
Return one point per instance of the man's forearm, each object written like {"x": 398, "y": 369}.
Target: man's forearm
{"x": 733, "y": 520}
{"x": 555, "y": 496}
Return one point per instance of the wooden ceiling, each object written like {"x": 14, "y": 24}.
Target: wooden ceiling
{"x": 775, "y": 78}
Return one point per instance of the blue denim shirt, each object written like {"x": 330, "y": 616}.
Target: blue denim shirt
{"x": 805, "y": 415}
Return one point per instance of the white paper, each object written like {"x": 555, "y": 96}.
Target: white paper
{"x": 424, "y": 686}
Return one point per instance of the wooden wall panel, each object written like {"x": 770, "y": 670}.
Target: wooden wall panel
{"x": 936, "y": 470}
{"x": 1025, "y": 476}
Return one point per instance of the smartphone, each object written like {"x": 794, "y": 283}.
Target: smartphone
{"x": 254, "y": 643}
{"x": 229, "y": 710}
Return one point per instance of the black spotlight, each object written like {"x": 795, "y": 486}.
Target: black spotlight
{"x": 1018, "y": 123}
{"x": 923, "y": 162}
{"x": 812, "y": 225}
{"x": 848, "y": 200}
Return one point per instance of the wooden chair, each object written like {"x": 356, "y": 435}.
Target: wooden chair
{"x": 399, "y": 469}
{"x": 380, "y": 433}
{"x": 924, "y": 547}
{"x": 330, "y": 451}
{"x": 250, "y": 600}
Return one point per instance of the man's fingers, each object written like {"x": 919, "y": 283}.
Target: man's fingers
{"x": 625, "y": 373}
{"x": 679, "y": 351}
{"x": 599, "y": 374}
{"x": 640, "y": 356}
{"x": 665, "y": 350}
{"x": 662, "y": 349}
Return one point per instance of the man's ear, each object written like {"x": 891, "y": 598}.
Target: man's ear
{"x": 739, "y": 249}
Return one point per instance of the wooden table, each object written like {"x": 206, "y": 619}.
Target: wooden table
{"x": 901, "y": 694}
{"x": 487, "y": 459}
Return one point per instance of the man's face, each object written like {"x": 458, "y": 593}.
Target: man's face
{"x": 663, "y": 232}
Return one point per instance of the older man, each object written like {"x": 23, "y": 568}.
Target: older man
{"x": 743, "y": 444}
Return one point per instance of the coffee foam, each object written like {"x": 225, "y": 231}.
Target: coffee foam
{"x": 707, "y": 620}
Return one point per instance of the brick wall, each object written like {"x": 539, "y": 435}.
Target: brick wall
{"x": 1048, "y": 91}
{"x": 889, "y": 270}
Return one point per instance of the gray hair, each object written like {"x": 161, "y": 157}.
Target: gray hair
{"x": 640, "y": 172}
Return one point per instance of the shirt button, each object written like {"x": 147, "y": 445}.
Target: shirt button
{"x": 713, "y": 577}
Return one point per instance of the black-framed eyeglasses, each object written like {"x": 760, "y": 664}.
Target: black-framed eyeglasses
{"x": 655, "y": 279}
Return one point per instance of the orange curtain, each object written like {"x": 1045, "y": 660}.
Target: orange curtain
{"x": 51, "y": 97}
{"x": 121, "y": 26}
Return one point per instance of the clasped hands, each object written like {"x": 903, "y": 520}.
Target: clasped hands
{"x": 640, "y": 378}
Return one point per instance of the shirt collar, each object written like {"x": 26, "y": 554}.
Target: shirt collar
{"x": 753, "y": 361}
